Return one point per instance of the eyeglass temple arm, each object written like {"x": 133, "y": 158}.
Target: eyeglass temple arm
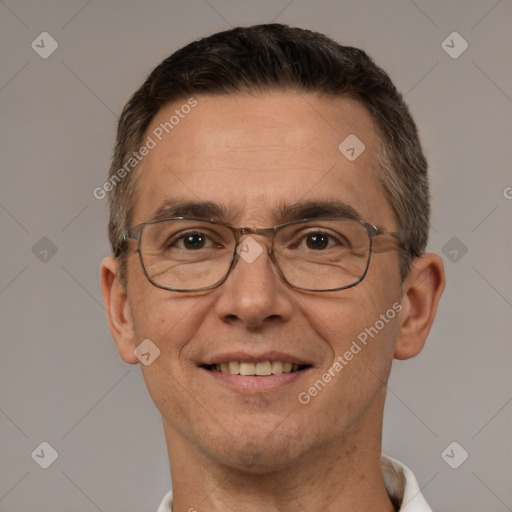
{"x": 399, "y": 238}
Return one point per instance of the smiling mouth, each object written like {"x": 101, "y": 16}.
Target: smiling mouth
{"x": 260, "y": 369}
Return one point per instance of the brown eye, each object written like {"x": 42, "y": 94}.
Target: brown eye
{"x": 317, "y": 241}
{"x": 194, "y": 241}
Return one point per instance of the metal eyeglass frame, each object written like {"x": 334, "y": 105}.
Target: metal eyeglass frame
{"x": 135, "y": 233}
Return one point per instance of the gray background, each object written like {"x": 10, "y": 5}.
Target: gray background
{"x": 61, "y": 380}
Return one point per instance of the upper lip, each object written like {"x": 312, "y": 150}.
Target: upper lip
{"x": 255, "y": 358}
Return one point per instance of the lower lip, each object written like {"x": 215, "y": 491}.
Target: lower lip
{"x": 254, "y": 383}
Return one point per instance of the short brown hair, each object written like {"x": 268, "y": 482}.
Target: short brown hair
{"x": 270, "y": 57}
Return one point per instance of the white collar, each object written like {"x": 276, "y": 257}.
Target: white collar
{"x": 400, "y": 483}
{"x": 402, "y": 486}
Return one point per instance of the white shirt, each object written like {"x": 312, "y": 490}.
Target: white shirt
{"x": 400, "y": 483}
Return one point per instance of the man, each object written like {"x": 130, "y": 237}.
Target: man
{"x": 267, "y": 349}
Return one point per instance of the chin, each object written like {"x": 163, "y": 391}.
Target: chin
{"x": 258, "y": 453}
{"x": 259, "y": 459}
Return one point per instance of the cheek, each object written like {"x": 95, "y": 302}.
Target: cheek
{"x": 171, "y": 327}
{"x": 360, "y": 328}
{"x": 168, "y": 321}
{"x": 342, "y": 394}
{"x": 366, "y": 344}
{"x": 355, "y": 312}
{"x": 155, "y": 312}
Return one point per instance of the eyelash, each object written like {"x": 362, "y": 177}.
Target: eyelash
{"x": 303, "y": 236}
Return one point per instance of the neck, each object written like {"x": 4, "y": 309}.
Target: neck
{"x": 340, "y": 475}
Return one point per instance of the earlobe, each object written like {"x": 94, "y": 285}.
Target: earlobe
{"x": 118, "y": 310}
{"x": 422, "y": 291}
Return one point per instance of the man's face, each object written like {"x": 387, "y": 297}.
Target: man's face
{"x": 249, "y": 154}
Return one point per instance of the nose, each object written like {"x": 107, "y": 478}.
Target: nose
{"x": 254, "y": 293}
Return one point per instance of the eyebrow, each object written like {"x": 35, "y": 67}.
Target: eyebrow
{"x": 283, "y": 212}
{"x": 187, "y": 208}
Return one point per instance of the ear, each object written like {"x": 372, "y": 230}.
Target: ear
{"x": 422, "y": 291}
{"x": 118, "y": 310}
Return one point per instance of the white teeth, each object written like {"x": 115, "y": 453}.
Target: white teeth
{"x": 277, "y": 367}
{"x": 234, "y": 367}
{"x": 262, "y": 368}
{"x": 247, "y": 368}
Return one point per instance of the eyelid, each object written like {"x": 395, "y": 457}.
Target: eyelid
{"x": 213, "y": 236}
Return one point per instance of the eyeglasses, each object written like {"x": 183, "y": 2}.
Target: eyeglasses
{"x": 187, "y": 254}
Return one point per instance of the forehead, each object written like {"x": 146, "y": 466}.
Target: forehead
{"x": 252, "y": 153}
